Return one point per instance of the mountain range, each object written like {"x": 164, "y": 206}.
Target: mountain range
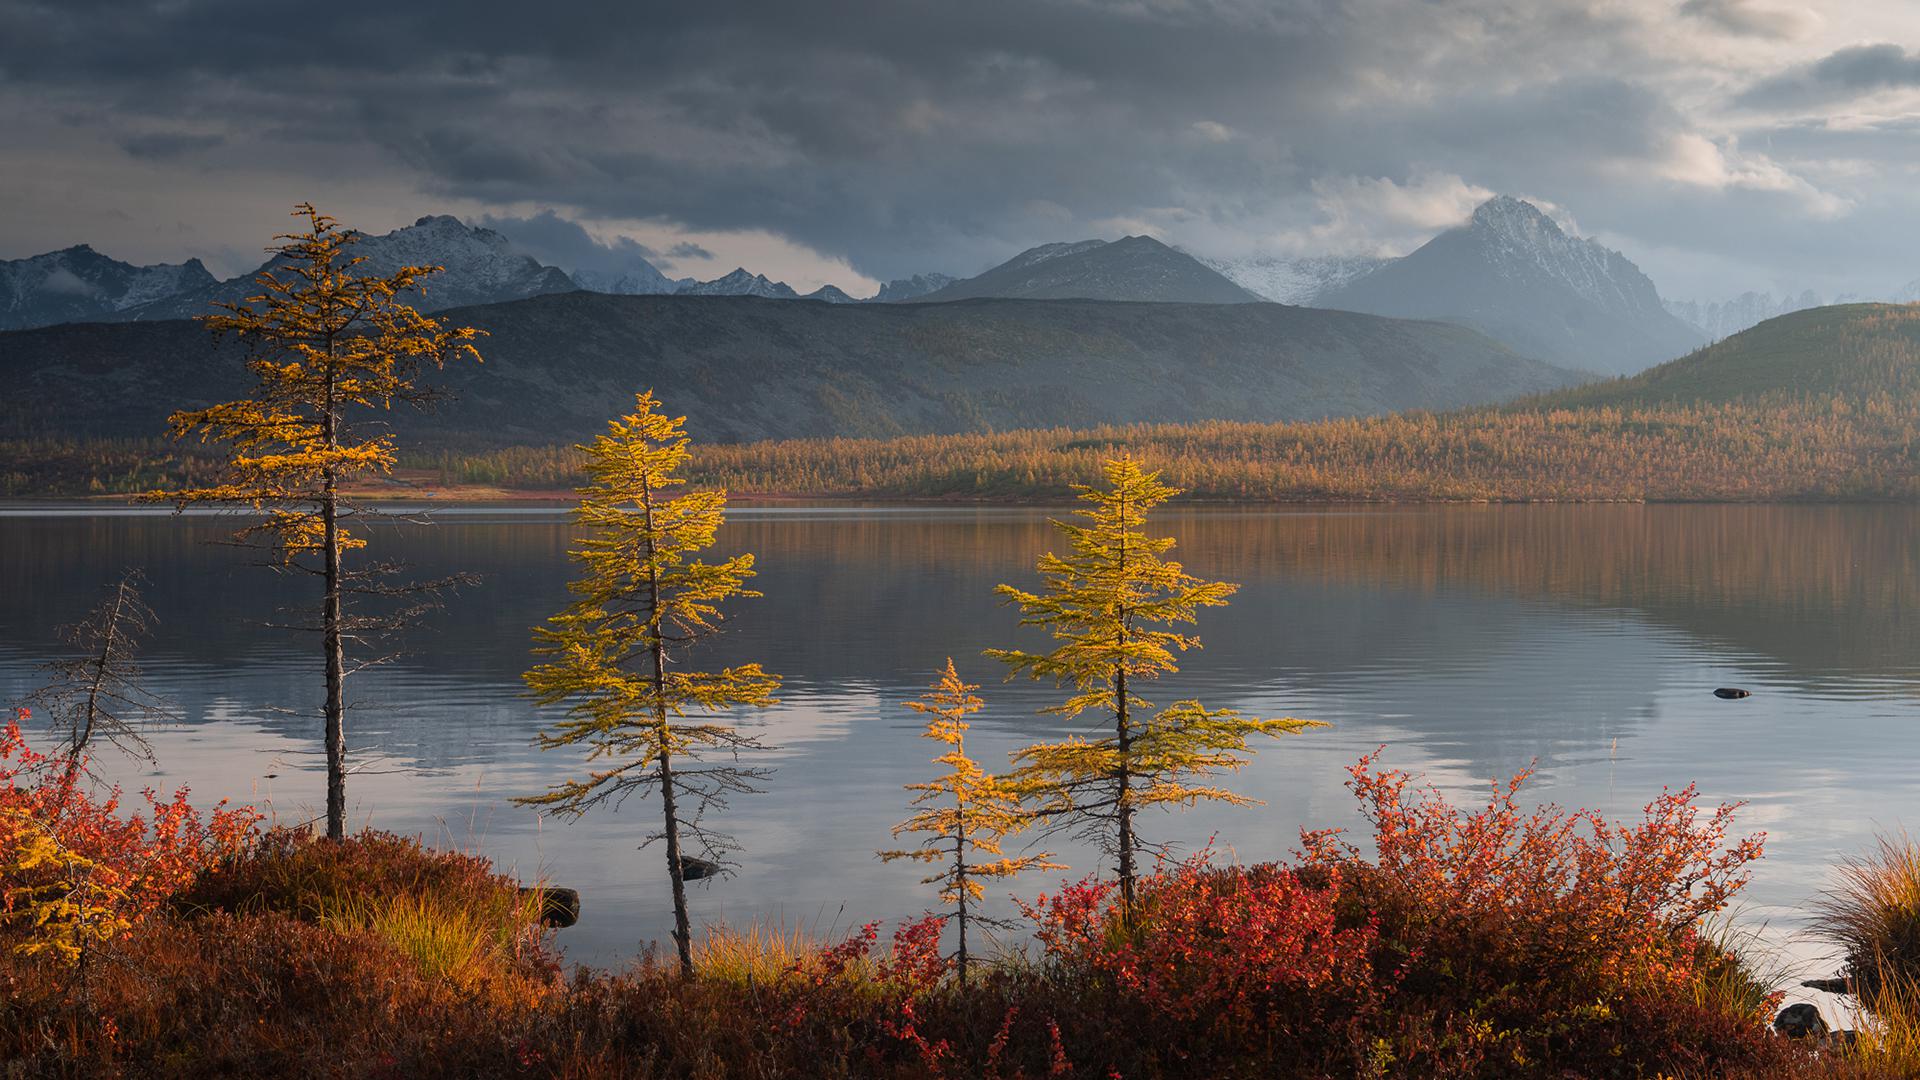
{"x": 78, "y": 284}
{"x": 746, "y": 368}
{"x": 481, "y": 267}
{"x": 1510, "y": 272}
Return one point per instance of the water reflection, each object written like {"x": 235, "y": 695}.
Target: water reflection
{"x": 1471, "y": 641}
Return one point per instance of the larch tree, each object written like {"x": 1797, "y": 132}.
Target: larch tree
{"x": 331, "y": 351}
{"x": 617, "y": 651}
{"x": 964, "y": 816}
{"x": 1111, "y": 604}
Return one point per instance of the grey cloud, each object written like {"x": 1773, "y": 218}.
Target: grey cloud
{"x": 1839, "y": 76}
{"x": 911, "y": 135}
{"x": 556, "y": 241}
{"x": 1752, "y": 19}
{"x": 687, "y": 249}
{"x": 160, "y": 145}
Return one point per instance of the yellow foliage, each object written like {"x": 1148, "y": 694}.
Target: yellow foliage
{"x": 642, "y": 600}
{"x": 1110, "y": 605}
{"x": 323, "y": 341}
{"x": 967, "y": 814}
{"x": 54, "y": 892}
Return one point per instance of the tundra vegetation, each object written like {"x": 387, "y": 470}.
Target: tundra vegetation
{"x": 1497, "y": 940}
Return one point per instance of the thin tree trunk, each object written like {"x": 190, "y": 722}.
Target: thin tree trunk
{"x": 1124, "y": 805}
{"x": 682, "y": 922}
{"x": 1123, "y": 742}
{"x": 960, "y": 876}
{"x": 330, "y": 620}
{"x": 85, "y": 735}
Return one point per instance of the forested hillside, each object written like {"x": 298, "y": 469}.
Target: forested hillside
{"x": 743, "y": 368}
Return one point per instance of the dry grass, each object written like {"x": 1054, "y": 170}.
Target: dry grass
{"x": 1873, "y": 914}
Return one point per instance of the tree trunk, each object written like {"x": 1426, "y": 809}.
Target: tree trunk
{"x": 1123, "y": 806}
{"x": 676, "y": 872}
{"x": 1123, "y": 743}
{"x": 330, "y": 619}
{"x": 84, "y": 735}
{"x": 960, "y": 876}
{"x": 336, "y": 672}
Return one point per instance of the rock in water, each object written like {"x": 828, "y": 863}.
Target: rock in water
{"x": 559, "y": 908}
{"x": 1800, "y": 1021}
{"x": 1732, "y": 693}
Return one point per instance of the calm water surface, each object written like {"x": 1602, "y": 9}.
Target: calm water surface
{"x": 1469, "y": 641}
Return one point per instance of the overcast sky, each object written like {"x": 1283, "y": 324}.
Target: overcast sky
{"x": 1722, "y": 144}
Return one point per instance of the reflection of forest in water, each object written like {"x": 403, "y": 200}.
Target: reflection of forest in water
{"x": 1823, "y": 592}
{"x": 1472, "y": 639}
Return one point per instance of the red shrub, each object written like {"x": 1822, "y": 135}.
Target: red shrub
{"x": 137, "y": 862}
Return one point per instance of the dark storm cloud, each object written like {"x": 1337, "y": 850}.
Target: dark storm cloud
{"x": 1847, "y": 73}
{"x": 908, "y": 136}
{"x": 556, "y": 241}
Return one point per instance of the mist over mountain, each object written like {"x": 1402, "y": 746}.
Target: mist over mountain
{"x": 1724, "y": 318}
{"x": 1137, "y": 268}
{"x": 745, "y": 368}
{"x": 639, "y": 280}
{"x": 78, "y": 284}
{"x": 1296, "y": 280}
{"x": 1513, "y": 274}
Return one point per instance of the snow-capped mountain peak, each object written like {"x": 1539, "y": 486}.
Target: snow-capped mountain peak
{"x": 741, "y": 282}
{"x": 78, "y": 284}
{"x": 912, "y": 288}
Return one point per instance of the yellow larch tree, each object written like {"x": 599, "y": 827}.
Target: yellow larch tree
{"x": 1110, "y": 604}
{"x": 615, "y": 650}
{"x": 327, "y": 346}
{"x": 964, "y": 816}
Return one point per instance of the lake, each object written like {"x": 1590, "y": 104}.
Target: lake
{"x": 1469, "y": 641}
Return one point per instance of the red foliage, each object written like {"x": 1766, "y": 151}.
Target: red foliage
{"x": 146, "y": 858}
{"x": 1621, "y": 902}
{"x": 1219, "y": 946}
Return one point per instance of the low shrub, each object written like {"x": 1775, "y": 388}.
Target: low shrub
{"x": 75, "y": 870}
{"x": 1464, "y": 945}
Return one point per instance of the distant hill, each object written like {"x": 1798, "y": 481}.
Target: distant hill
{"x": 78, "y": 284}
{"x": 1512, "y": 274}
{"x": 1133, "y": 268}
{"x": 1853, "y": 352}
{"x": 745, "y": 368}
{"x": 481, "y": 267}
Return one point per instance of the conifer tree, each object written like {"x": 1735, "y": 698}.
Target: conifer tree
{"x": 326, "y": 346}
{"x": 615, "y": 650}
{"x": 965, "y": 815}
{"x": 1110, "y": 603}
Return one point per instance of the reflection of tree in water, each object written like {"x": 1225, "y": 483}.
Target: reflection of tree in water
{"x": 859, "y": 602}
